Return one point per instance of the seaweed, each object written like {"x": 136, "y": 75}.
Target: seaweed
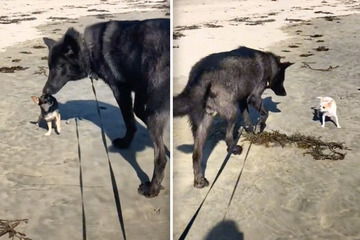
{"x": 314, "y": 146}
{"x": 38, "y": 46}
{"x": 306, "y": 55}
{"x": 8, "y": 226}
{"x": 321, "y": 48}
{"x": 12, "y": 69}
{"x": 177, "y": 35}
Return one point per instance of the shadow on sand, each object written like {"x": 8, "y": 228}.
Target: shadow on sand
{"x": 113, "y": 127}
{"x": 225, "y": 230}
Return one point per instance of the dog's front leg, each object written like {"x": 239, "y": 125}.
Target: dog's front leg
{"x": 244, "y": 108}
{"x": 49, "y": 125}
{"x": 38, "y": 121}
{"x": 256, "y": 102}
{"x": 57, "y": 123}
{"x": 323, "y": 120}
{"x": 122, "y": 94}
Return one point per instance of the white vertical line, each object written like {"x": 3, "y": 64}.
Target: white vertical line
{"x": 171, "y": 122}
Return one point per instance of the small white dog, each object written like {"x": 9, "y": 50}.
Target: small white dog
{"x": 328, "y": 109}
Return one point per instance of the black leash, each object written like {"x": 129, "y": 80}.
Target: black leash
{"x": 187, "y": 229}
{"x": 81, "y": 182}
{"x": 112, "y": 175}
{"x": 237, "y": 182}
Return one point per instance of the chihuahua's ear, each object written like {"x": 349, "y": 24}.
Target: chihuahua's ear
{"x": 35, "y": 99}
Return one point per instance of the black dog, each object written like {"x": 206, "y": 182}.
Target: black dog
{"x": 130, "y": 56}
{"x": 221, "y": 83}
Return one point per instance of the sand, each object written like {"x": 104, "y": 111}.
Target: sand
{"x": 282, "y": 194}
{"x": 39, "y": 176}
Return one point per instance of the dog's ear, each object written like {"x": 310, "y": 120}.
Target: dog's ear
{"x": 35, "y": 99}
{"x": 49, "y": 42}
{"x": 286, "y": 64}
{"x": 70, "y": 43}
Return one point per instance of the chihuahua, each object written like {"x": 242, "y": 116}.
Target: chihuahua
{"x": 328, "y": 109}
{"x": 49, "y": 112}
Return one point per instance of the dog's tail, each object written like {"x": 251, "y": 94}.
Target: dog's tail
{"x": 181, "y": 104}
{"x": 194, "y": 96}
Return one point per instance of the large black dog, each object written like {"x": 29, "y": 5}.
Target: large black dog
{"x": 221, "y": 83}
{"x": 130, "y": 56}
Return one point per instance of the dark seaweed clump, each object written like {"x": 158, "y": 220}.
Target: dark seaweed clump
{"x": 315, "y": 147}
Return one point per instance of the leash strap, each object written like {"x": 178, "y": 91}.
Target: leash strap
{"x": 112, "y": 175}
{"x": 237, "y": 182}
{"x": 81, "y": 181}
{"x": 187, "y": 229}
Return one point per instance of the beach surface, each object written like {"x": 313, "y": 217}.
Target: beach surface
{"x": 282, "y": 193}
{"x": 39, "y": 175}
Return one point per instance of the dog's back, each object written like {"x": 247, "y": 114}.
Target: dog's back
{"x": 235, "y": 74}
{"x": 137, "y": 52}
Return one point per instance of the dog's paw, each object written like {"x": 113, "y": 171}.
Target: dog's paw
{"x": 47, "y": 133}
{"x": 249, "y": 128}
{"x": 147, "y": 190}
{"x": 200, "y": 183}
{"x": 237, "y": 150}
{"x": 35, "y": 123}
{"x": 260, "y": 128}
{"x": 121, "y": 143}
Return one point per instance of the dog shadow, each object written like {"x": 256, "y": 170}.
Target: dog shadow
{"x": 317, "y": 116}
{"x": 113, "y": 126}
{"x": 218, "y": 130}
{"x": 226, "y": 230}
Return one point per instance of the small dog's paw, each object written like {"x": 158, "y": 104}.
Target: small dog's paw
{"x": 47, "y": 133}
{"x": 200, "y": 183}
{"x": 338, "y": 126}
{"x": 35, "y": 123}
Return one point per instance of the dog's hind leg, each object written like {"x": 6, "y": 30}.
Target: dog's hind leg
{"x": 200, "y": 131}
{"x": 256, "y": 102}
{"x": 122, "y": 94}
{"x": 337, "y": 122}
{"x": 156, "y": 125}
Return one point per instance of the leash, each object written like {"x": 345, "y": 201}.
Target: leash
{"x": 237, "y": 181}
{"x": 81, "y": 181}
{"x": 186, "y": 231}
{"x": 112, "y": 175}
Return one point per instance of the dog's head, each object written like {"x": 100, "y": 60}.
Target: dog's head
{"x": 66, "y": 61}
{"x": 327, "y": 104}
{"x": 277, "y": 82}
{"x": 45, "y": 101}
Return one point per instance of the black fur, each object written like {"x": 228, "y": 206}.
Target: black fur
{"x": 222, "y": 83}
{"x": 130, "y": 56}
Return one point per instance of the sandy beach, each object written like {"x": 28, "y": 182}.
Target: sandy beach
{"x": 39, "y": 176}
{"x": 282, "y": 193}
